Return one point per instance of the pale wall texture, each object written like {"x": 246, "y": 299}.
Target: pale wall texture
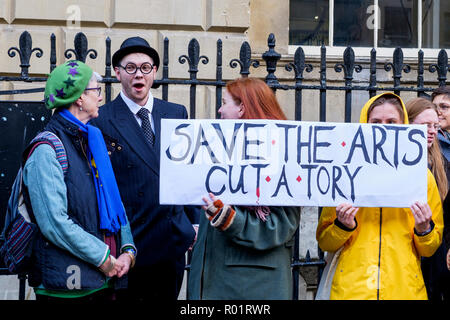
{"x": 231, "y": 21}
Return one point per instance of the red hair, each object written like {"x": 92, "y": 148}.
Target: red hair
{"x": 257, "y": 97}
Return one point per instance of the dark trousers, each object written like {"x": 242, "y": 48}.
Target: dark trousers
{"x": 436, "y": 275}
{"x": 157, "y": 282}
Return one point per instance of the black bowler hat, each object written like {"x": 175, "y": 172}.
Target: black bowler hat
{"x": 132, "y": 45}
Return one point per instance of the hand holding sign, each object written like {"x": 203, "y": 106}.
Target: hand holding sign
{"x": 220, "y": 216}
{"x": 422, "y": 216}
{"x": 345, "y": 213}
{"x": 212, "y": 207}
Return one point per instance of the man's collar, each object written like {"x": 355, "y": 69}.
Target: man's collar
{"x": 134, "y": 107}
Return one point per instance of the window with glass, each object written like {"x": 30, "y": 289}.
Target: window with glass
{"x": 370, "y": 23}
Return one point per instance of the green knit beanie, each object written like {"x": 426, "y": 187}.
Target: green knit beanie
{"x": 66, "y": 83}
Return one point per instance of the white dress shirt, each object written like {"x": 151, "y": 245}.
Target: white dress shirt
{"x": 134, "y": 107}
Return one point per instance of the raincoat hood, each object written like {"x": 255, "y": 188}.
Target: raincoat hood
{"x": 363, "y": 115}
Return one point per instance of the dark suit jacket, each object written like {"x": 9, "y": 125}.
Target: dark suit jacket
{"x": 161, "y": 233}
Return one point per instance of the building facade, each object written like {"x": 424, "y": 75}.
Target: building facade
{"x": 323, "y": 29}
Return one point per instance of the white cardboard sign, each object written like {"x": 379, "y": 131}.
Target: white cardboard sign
{"x": 292, "y": 163}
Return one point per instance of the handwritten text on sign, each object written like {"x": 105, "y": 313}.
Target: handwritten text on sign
{"x": 292, "y": 163}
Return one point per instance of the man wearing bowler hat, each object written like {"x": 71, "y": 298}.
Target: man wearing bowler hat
{"x": 162, "y": 233}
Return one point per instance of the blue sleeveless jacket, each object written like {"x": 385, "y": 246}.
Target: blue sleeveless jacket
{"x": 53, "y": 267}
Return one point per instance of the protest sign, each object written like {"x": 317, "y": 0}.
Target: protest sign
{"x": 292, "y": 163}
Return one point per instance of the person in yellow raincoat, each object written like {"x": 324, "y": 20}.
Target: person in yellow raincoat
{"x": 380, "y": 258}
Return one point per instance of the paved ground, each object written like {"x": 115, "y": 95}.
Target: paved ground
{"x": 9, "y": 289}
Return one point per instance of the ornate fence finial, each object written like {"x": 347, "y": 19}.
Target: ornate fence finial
{"x": 25, "y": 51}
{"x": 348, "y": 66}
{"x": 193, "y": 58}
{"x": 441, "y": 67}
{"x": 81, "y": 49}
{"x": 299, "y": 65}
{"x": 397, "y": 66}
{"x": 245, "y": 60}
{"x": 271, "y": 57}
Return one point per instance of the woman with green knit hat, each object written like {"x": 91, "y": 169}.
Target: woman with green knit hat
{"x": 84, "y": 245}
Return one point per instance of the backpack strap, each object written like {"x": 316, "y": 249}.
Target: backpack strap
{"x": 50, "y": 138}
{"x": 20, "y": 226}
{"x": 44, "y": 137}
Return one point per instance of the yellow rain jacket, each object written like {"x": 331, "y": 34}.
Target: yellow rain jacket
{"x": 381, "y": 256}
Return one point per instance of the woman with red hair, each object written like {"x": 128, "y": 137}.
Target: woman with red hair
{"x": 250, "y": 98}
{"x": 244, "y": 252}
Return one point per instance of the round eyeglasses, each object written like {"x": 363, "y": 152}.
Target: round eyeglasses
{"x": 435, "y": 126}
{"x": 131, "y": 68}
{"x": 442, "y": 107}
{"x": 99, "y": 90}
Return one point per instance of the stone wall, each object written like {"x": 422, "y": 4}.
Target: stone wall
{"x": 232, "y": 21}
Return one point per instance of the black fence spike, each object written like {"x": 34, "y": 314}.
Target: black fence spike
{"x": 80, "y": 50}
{"x": 108, "y": 69}
{"x": 245, "y": 60}
{"x": 441, "y": 67}
{"x": 323, "y": 84}
{"x": 218, "y": 76}
{"x": 193, "y": 58}
{"x": 25, "y": 51}
{"x": 397, "y": 67}
{"x": 299, "y": 66}
{"x": 420, "y": 70}
{"x": 373, "y": 73}
{"x": 52, "y": 52}
{"x": 165, "y": 72}
{"x": 348, "y": 67}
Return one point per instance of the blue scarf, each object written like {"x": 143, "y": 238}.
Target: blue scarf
{"x": 110, "y": 207}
